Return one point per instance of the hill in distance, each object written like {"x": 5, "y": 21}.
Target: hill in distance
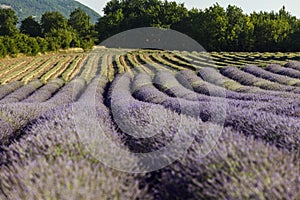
{"x": 37, "y": 8}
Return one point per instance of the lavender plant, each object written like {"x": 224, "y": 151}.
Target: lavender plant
{"x": 166, "y": 82}
{"x": 45, "y": 92}
{"x": 251, "y": 80}
{"x": 9, "y": 88}
{"x": 261, "y": 73}
{"x": 278, "y": 69}
{"x": 69, "y": 93}
{"x": 22, "y": 92}
{"x": 293, "y": 65}
{"x": 190, "y": 80}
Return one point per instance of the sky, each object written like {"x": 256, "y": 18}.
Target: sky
{"x": 293, "y": 6}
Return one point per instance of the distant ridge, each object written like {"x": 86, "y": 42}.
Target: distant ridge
{"x": 25, "y": 8}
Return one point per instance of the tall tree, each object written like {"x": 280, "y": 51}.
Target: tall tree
{"x": 8, "y": 22}
{"x": 53, "y": 20}
{"x": 80, "y": 21}
{"x": 239, "y": 30}
{"x": 31, "y": 27}
{"x": 270, "y": 30}
{"x": 214, "y": 28}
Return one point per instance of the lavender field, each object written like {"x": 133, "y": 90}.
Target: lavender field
{"x": 252, "y": 99}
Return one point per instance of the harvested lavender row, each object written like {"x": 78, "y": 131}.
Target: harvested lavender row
{"x": 278, "y": 69}
{"x": 66, "y": 170}
{"x": 45, "y": 92}
{"x": 69, "y": 93}
{"x": 275, "y": 129}
{"x": 251, "y": 80}
{"x": 261, "y": 73}
{"x": 22, "y": 93}
{"x": 166, "y": 82}
{"x": 9, "y": 88}
{"x": 190, "y": 80}
{"x": 293, "y": 65}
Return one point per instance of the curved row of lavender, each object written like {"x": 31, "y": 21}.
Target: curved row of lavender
{"x": 256, "y": 156}
{"x": 278, "y": 129}
{"x": 278, "y": 69}
{"x": 249, "y": 79}
{"x": 261, "y": 73}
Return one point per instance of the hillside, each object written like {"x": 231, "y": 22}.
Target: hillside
{"x": 25, "y": 8}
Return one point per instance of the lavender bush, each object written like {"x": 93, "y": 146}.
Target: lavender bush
{"x": 9, "y": 88}
{"x": 69, "y": 93}
{"x": 211, "y": 75}
{"x": 261, "y": 73}
{"x": 251, "y": 80}
{"x": 45, "y": 92}
{"x": 51, "y": 163}
{"x": 278, "y": 69}
{"x": 241, "y": 142}
{"x": 190, "y": 80}
{"x": 293, "y": 65}
{"x": 22, "y": 92}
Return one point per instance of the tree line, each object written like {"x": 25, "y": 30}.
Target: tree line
{"x": 53, "y": 32}
{"x": 215, "y": 28}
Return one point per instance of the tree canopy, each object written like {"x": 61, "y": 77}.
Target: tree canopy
{"x": 215, "y": 28}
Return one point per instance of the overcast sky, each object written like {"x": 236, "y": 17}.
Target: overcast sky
{"x": 248, "y": 6}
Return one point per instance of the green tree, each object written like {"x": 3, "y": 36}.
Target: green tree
{"x": 109, "y": 24}
{"x": 31, "y": 27}
{"x": 53, "y": 20}
{"x": 213, "y": 28}
{"x": 11, "y": 46}
{"x": 79, "y": 21}
{"x": 8, "y": 22}
{"x": 59, "y": 39}
{"x": 128, "y": 14}
{"x": 26, "y": 45}
{"x": 270, "y": 30}
{"x": 239, "y": 30}
{"x": 3, "y": 49}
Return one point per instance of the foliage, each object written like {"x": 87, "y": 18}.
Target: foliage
{"x": 79, "y": 21}
{"x": 52, "y": 21}
{"x": 215, "y": 28}
{"x": 31, "y": 27}
{"x": 8, "y": 22}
